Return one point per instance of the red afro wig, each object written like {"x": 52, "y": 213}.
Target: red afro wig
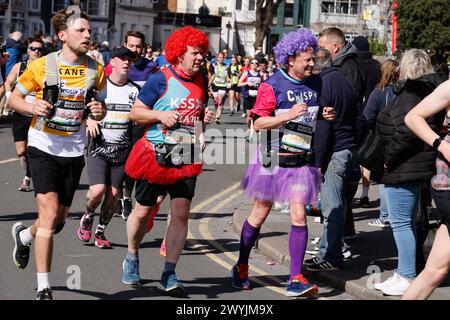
{"x": 179, "y": 40}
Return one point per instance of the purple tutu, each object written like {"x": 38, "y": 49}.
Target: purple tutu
{"x": 294, "y": 185}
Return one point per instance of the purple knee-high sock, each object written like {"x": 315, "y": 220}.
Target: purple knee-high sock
{"x": 298, "y": 239}
{"x": 249, "y": 235}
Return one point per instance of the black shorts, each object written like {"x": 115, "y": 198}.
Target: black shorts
{"x": 55, "y": 174}
{"x": 442, "y": 201}
{"x": 235, "y": 88}
{"x": 105, "y": 172}
{"x": 20, "y": 127}
{"x": 216, "y": 88}
{"x": 147, "y": 193}
{"x": 249, "y": 102}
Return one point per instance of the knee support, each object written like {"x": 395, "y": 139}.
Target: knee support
{"x": 45, "y": 233}
{"x": 59, "y": 227}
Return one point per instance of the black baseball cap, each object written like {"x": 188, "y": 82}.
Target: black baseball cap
{"x": 122, "y": 52}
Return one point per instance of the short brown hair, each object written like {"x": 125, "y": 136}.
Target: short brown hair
{"x": 335, "y": 33}
{"x": 136, "y": 34}
{"x": 60, "y": 20}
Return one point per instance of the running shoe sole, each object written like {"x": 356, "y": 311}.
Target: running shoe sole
{"x": 13, "y": 232}
{"x": 177, "y": 291}
{"x": 305, "y": 293}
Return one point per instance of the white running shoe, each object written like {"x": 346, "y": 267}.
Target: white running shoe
{"x": 397, "y": 287}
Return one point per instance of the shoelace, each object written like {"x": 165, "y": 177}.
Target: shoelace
{"x": 299, "y": 278}
{"x": 87, "y": 223}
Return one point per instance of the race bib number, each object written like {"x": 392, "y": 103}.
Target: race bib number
{"x": 184, "y": 134}
{"x": 68, "y": 116}
{"x": 298, "y": 133}
{"x": 252, "y": 93}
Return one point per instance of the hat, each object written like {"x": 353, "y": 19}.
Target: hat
{"x": 122, "y": 52}
{"x": 361, "y": 43}
{"x": 105, "y": 43}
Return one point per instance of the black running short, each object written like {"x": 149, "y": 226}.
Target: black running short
{"x": 105, "y": 172}
{"x": 55, "y": 174}
{"x": 442, "y": 201}
{"x": 235, "y": 88}
{"x": 216, "y": 88}
{"x": 20, "y": 127}
{"x": 147, "y": 193}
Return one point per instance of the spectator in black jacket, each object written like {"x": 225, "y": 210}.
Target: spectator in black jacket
{"x": 343, "y": 54}
{"x": 408, "y": 162}
{"x": 370, "y": 68}
{"x": 335, "y": 150}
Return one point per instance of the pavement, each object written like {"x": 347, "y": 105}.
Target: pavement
{"x": 373, "y": 259}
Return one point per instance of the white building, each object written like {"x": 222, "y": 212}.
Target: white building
{"x": 133, "y": 15}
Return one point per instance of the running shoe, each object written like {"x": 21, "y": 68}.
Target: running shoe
{"x": 84, "y": 232}
{"x": 25, "y": 186}
{"x": 21, "y": 252}
{"x": 127, "y": 208}
{"x": 379, "y": 223}
{"x": 162, "y": 250}
{"x": 321, "y": 265}
{"x": 171, "y": 285}
{"x": 239, "y": 277}
{"x": 130, "y": 272}
{"x": 101, "y": 242}
{"x": 45, "y": 294}
{"x": 299, "y": 286}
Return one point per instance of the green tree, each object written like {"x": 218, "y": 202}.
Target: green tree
{"x": 424, "y": 24}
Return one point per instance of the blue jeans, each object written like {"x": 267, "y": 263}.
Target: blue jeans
{"x": 333, "y": 205}
{"x": 384, "y": 213}
{"x": 403, "y": 203}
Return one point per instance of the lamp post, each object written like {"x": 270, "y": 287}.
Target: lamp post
{"x": 229, "y": 26}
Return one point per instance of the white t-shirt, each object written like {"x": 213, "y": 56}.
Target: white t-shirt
{"x": 114, "y": 142}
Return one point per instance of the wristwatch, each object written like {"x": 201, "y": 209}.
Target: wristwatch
{"x": 437, "y": 143}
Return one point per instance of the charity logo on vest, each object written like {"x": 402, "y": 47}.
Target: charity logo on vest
{"x": 186, "y": 103}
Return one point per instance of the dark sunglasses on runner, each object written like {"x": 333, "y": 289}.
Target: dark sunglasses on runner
{"x": 35, "y": 49}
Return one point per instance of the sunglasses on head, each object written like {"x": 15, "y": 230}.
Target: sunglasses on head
{"x": 35, "y": 48}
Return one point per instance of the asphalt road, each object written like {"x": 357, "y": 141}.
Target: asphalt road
{"x": 84, "y": 272}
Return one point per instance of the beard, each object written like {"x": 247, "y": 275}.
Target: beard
{"x": 79, "y": 50}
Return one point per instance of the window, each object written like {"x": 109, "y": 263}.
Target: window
{"x": 97, "y": 8}
{"x": 289, "y": 14}
{"x": 353, "y": 7}
{"x": 190, "y": 6}
{"x": 252, "y": 5}
{"x": 123, "y": 27}
{"x": 35, "y": 5}
{"x": 238, "y": 4}
{"x": 133, "y": 27}
{"x": 58, "y": 5}
{"x": 328, "y": 6}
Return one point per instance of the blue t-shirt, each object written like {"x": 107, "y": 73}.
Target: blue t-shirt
{"x": 166, "y": 91}
{"x": 141, "y": 71}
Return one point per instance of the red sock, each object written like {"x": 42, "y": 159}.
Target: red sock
{"x": 151, "y": 218}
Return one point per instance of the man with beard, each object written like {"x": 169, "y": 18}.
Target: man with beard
{"x": 65, "y": 83}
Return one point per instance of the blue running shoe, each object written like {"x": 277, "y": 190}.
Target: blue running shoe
{"x": 239, "y": 277}
{"x": 130, "y": 272}
{"x": 171, "y": 285}
{"x": 299, "y": 286}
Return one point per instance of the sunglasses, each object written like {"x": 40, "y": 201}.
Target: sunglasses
{"x": 35, "y": 49}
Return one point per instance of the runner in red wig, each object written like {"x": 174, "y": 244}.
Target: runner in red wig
{"x": 172, "y": 104}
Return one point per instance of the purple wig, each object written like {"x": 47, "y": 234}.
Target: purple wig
{"x": 293, "y": 43}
